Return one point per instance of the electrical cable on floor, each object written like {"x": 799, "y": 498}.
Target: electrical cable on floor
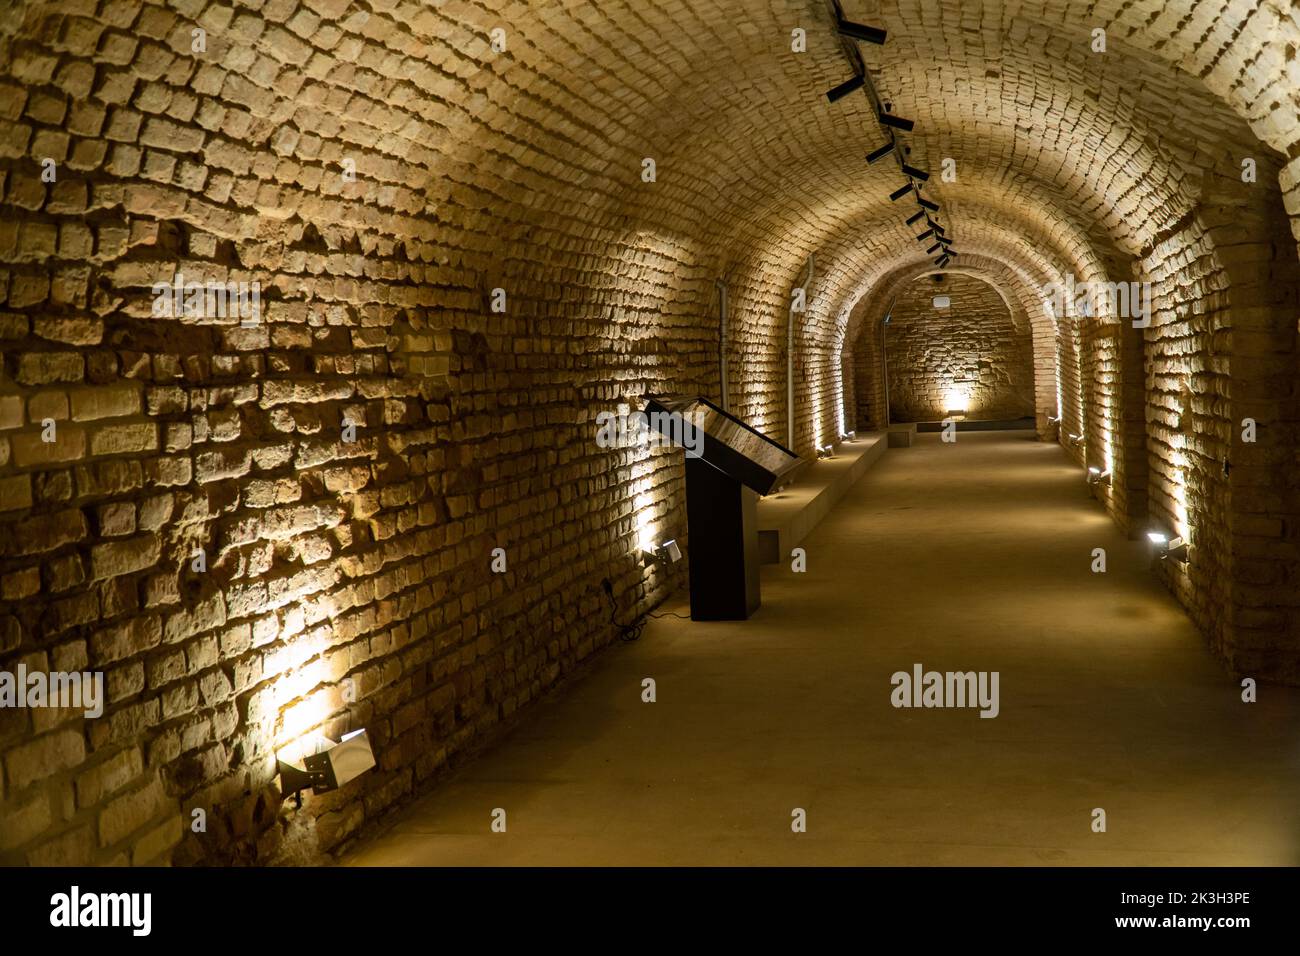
{"x": 627, "y": 633}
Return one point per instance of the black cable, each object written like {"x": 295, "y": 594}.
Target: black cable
{"x": 627, "y": 633}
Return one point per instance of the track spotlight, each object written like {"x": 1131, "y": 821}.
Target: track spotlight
{"x": 879, "y": 154}
{"x": 925, "y": 235}
{"x": 934, "y": 225}
{"x": 933, "y": 249}
{"x": 899, "y": 193}
{"x": 926, "y": 204}
{"x": 845, "y": 88}
{"x": 860, "y": 31}
{"x": 941, "y": 261}
{"x": 897, "y": 122}
{"x": 911, "y": 220}
{"x": 915, "y": 173}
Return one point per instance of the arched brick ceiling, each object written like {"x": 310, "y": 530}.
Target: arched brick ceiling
{"x": 756, "y": 170}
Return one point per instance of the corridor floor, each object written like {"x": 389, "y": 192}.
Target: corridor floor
{"x": 969, "y": 556}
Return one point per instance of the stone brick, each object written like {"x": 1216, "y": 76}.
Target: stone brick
{"x": 15, "y": 493}
{"x": 30, "y": 450}
{"x": 125, "y": 640}
{"x": 131, "y": 811}
{"x": 40, "y": 368}
{"x": 25, "y": 820}
{"x": 112, "y": 559}
{"x": 106, "y": 401}
{"x": 43, "y": 757}
{"x": 109, "y": 776}
{"x": 124, "y": 439}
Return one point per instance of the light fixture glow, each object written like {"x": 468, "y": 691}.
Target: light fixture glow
{"x": 941, "y": 301}
{"x": 1167, "y": 547}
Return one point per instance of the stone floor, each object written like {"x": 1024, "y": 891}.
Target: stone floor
{"x": 970, "y": 556}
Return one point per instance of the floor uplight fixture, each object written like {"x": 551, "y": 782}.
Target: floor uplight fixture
{"x": 665, "y": 552}
{"x": 1167, "y": 547}
{"x": 331, "y": 766}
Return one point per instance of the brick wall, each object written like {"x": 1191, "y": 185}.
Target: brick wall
{"x": 968, "y": 355}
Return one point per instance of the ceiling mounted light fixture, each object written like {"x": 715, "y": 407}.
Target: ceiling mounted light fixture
{"x": 845, "y": 88}
{"x": 860, "y": 31}
{"x": 933, "y": 249}
{"x": 897, "y": 122}
{"x": 915, "y": 173}
{"x": 879, "y": 154}
{"x": 926, "y": 204}
{"x": 911, "y": 220}
{"x": 899, "y": 193}
{"x": 925, "y": 235}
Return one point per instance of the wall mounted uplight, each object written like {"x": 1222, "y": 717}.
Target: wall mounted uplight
{"x": 1168, "y": 547}
{"x": 329, "y": 767}
{"x": 665, "y": 552}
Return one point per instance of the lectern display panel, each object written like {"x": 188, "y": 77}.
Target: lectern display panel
{"x": 729, "y": 444}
